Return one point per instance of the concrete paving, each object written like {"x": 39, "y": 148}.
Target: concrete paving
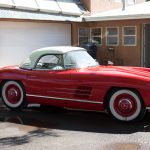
{"x": 59, "y": 129}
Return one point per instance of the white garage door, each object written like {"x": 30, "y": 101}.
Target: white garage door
{"x": 18, "y": 39}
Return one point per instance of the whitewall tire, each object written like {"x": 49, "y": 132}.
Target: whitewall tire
{"x": 125, "y": 105}
{"x": 13, "y": 95}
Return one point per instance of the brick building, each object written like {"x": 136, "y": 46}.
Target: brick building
{"x": 120, "y": 29}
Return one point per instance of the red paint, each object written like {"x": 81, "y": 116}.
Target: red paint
{"x": 94, "y": 83}
{"x": 125, "y": 105}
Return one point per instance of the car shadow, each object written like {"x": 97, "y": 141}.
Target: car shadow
{"x": 57, "y": 118}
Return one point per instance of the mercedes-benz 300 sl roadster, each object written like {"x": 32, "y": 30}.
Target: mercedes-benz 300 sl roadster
{"x": 69, "y": 77}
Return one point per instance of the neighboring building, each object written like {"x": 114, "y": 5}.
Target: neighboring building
{"x": 122, "y": 35}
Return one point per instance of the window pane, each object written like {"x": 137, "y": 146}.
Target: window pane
{"x": 96, "y": 32}
{"x": 96, "y": 40}
{"x": 129, "y": 30}
{"x": 49, "y": 59}
{"x": 48, "y": 62}
{"x": 84, "y": 32}
{"x": 129, "y": 40}
{"x": 83, "y": 40}
{"x": 112, "y": 40}
{"x": 112, "y": 31}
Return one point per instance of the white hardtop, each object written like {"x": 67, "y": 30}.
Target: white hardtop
{"x": 34, "y": 56}
{"x": 57, "y": 50}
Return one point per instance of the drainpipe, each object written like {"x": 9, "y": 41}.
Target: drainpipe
{"x": 123, "y": 4}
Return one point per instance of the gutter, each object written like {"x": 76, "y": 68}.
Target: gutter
{"x": 122, "y": 17}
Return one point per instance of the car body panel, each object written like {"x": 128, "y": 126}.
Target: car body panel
{"x": 78, "y": 88}
{"x": 89, "y": 85}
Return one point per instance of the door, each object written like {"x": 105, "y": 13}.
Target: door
{"x": 86, "y": 91}
{"x": 48, "y": 81}
{"x": 19, "y": 39}
{"x": 146, "y": 45}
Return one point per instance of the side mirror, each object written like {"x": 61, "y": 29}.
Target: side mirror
{"x": 110, "y": 63}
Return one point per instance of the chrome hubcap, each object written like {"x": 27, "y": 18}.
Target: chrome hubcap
{"x": 12, "y": 92}
{"x": 125, "y": 105}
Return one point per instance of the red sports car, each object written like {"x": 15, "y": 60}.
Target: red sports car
{"x": 69, "y": 77}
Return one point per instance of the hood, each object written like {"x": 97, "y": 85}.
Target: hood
{"x": 139, "y": 71}
{"x": 10, "y": 67}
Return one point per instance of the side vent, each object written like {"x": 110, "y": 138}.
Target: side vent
{"x": 83, "y": 92}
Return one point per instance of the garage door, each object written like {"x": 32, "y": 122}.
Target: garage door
{"x": 18, "y": 39}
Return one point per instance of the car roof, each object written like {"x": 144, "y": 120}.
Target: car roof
{"x": 57, "y": 49}
{"x": 51, "y": 50}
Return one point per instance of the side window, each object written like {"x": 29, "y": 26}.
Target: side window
{"x": 69, "y": 62}
{"x": 50, "y": 62}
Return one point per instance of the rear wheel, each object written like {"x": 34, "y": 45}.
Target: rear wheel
{"x": 13, "y": 95}
{"x": 126, "y": 105}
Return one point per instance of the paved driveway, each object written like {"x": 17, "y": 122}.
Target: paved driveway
{"x": 58, "y": 129}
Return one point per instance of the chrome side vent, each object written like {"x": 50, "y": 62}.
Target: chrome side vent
{"x": 83, "y": 92}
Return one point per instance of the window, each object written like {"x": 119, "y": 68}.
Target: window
{"x": 90, "y": 35}
{"x": 84, "y": 36}
{"x": 79, "y": 59}
{"x": 129, "y": 36}
{"x": 49, "y": 62}
{"x": 96, "y": 36}
{"x": 112, "y": 37}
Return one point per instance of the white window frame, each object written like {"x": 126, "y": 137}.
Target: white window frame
{"x": 83, "y": 36}
{"x": 100, "y": 36}
{"x": 90, "y": 36}
{"x": 112, "y": 36}
{"x": 129, "y": 35}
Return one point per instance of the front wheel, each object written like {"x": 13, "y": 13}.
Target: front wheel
{"x": 126, "y": 105}
{"x": 13, "y": 95}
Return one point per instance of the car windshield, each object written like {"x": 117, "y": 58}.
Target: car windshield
{"x": 26, "y": 64}
{"x": 79, "y": 59}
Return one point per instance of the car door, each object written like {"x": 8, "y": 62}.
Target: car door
{"x": 85, "y": 94}
{"x": 48, "y": 81}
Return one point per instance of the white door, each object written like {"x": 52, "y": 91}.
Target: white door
{"x": 18, "y": 39}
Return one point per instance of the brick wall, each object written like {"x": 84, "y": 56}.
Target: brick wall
{"x": 124, "y": 55}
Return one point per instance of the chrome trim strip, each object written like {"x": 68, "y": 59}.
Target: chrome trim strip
{"x": 148, "y": 108}
{"x": 72, "y": 89}
{"x": 68, "y": 99}
{"x": 69, "y": 93}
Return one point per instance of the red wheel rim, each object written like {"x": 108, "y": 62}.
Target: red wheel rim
{"x": 13, "y": 94}
{"x": 125, "y": 105}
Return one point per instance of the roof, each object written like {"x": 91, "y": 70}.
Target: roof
{"x": 50, "y": 6}
{"x": 55, "y": 10}
{"x": 31, "y": 60}
{"x": 10, "y": 13}
{"x": 138, "y": 11}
